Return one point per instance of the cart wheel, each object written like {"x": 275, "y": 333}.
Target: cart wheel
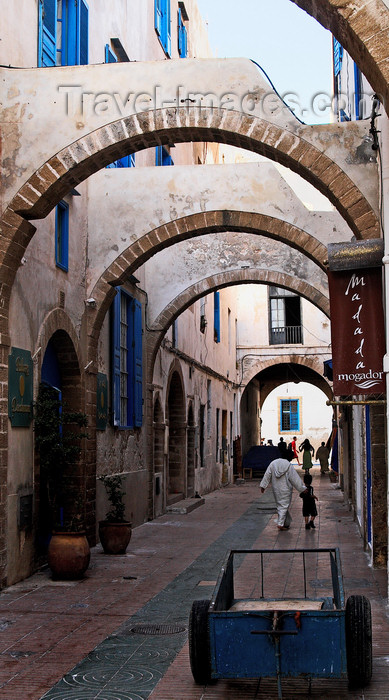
{"x": 359, "y": 641}
{"x": 199, "y": 652}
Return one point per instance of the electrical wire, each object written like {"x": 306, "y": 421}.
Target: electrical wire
{"x": 276, "y": 91}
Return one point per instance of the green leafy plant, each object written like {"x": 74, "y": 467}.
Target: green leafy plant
{"x": 58, "y": 436}
{"x": 113, "y": 486}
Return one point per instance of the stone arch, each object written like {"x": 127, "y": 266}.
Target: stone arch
{"x": 57, "y": 320}
{"x": 226, "y": 279}
{"x": 362, "y": 28}
{"x": 314, "y": 364}
{"x": 76, "y": 162}
{"x": 158, "y": 457}
{"x": 184, "y": 228}
{"x": 176, "y": 421}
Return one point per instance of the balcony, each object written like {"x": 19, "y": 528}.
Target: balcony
{"x": 286, "y": 335}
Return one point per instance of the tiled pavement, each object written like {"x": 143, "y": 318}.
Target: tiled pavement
{"x": 83, "y": 630}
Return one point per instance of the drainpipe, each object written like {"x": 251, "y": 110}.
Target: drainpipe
{"x": 384, "y": 155}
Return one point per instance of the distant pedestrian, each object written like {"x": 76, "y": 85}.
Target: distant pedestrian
{"x": 322, "y": 454}
{"x": 283, "y": 477}
{"x": 293, "y": 446}
{"x": 270, "y": 443}
{"x": 283, "y": 447}
{"x": 307, "y": 450}
{"x": 309, "y": 505}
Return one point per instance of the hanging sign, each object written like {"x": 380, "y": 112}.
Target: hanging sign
{"x": 101, "y": 402}
{"x": 357, "y": 331}
{"x": 20, "y": 388}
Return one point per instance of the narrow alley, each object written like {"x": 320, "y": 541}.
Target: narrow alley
{"x": 100, "y": 637}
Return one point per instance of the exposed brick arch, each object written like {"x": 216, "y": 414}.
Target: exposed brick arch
{"x": 92, "y": 152}
{"x": 76, "y": 162}
{"x": 313, "y": 363}
{"x": 57, "y": 320}
{"x": 188, "y": 227}
{"x": 226, "y": 279}
{"x": 361, "y": 27}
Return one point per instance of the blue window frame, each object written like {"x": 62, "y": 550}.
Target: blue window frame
{"x": 216, "y": 316}
{"x": 126, "y": 334}
{"x": 289, "y": 415}
{"x": 162, "y": 156}
{"x": 162, "y": 24}
{"x": 62, "y": 236}
{"x": 357, "y": 91}
{"x": 63, "y": 27}
{"x": 182, "y": 36}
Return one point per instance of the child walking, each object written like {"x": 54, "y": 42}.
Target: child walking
{"x": 309, "y": 505}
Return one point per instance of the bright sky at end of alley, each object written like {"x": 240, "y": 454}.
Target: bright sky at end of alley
{"x": 293, "y": 49}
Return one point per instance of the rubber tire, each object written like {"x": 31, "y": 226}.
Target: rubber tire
{"x": 359, "y": 647}
{"x": 199, "y": 650}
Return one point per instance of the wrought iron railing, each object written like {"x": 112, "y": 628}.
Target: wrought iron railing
{"x": 286, "y": 335}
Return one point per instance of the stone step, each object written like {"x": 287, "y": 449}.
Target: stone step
{"x": 185, "y": 506}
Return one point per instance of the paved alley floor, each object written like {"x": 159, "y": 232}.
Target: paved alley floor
{"x": 121, "y": 632}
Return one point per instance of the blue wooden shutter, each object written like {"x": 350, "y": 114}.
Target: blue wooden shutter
{"x": 294, "y": 415}
{"x": 338, "y": 56}
{"x": 357, "y": 91}
{"x": 182, "y": 37}
{"x": 47, "y": 33}
{"x": 158, "y": 16}
{"x": 109, "y": 55}
{"x": 83, "y": 33}
{"x": 216, "y": 301}
{"x": 115, "y": 358}
{"x": 138, "y": 392}
{"x": 168, "y": 41}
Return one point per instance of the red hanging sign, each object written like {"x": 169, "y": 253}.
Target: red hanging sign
{"x": 357, "y": 331}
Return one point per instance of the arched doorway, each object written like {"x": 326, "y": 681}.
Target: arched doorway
{"x": 61, "y": 383}
{"x": 191, "y": 452}
{"x": 176, "y": 476}
{"x": 158, "y": 458}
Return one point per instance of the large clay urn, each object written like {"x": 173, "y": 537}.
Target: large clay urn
{"x": 114, "y": 537}
{"x": 68, "y": 555}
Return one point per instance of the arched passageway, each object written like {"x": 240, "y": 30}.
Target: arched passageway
{"x": 176, "y": 468}
{"x": 158, "y": 458}
{"x": 61, "y": 379}
{"x": 286, "y": 399}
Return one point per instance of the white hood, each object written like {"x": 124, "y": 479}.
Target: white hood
{"x": 281, "y": 466}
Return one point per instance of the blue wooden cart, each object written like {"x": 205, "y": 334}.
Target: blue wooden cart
{"x": 284, "y": 637}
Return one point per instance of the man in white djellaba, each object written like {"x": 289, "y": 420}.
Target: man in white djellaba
{"x": 283, "y": 477}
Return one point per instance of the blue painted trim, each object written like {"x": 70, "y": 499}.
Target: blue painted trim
{"x": 216, "y": 316}
{"x": 62, "y": 236}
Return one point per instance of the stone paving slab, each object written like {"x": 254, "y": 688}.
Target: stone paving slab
{"x": 46, "y": 629}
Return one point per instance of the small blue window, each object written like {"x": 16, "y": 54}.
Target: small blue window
{"x": 162, "y": 156}
{"x": 127, "y": 365}
{"x": 216, "y": 311}
{"x": 62, "y": 236}
{"x": 162, "y": 24}
{"x": 289, "y": 415}
{"x": 182, "y": 36}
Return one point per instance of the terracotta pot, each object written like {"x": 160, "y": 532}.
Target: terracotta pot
{"x": 68, "y": 555}
{"x": 114, "y": 537}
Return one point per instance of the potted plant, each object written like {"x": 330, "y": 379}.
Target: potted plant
{"x": 115, "y": 531}
{"x": 58, "y": 435}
